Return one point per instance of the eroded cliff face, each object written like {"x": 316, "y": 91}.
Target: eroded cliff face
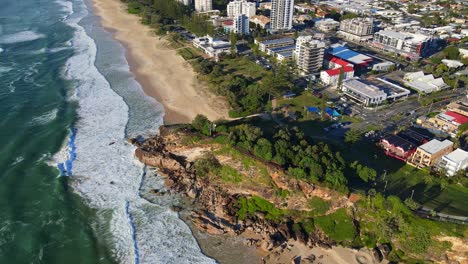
{"x": 218, "y": 203}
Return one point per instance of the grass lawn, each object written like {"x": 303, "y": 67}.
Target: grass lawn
{"x": 243, "y": 66}
{"x": 338, "y": 225}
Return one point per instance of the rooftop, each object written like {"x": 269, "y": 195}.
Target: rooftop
{"x": 457, "y": 156}
{"x": 346, "y": 54}
{"x": 336, "y": 71}
{"x": 277, "y": 41}
{"x": 363, "y": 88}
{"x": 458, "y": 118}
{"x": 435, "y": 146}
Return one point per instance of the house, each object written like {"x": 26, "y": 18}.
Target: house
{"x": 397, "y": 147}
{"x": 453, "y": 162}
{"x": 429, "y": 153}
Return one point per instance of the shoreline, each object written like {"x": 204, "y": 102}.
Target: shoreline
{"x": 161, "y": 72}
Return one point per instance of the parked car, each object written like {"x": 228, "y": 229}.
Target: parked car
{"x": 316, "y": 93}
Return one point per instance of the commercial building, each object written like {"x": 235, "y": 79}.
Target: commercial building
{"x": 397, "y": 147}
{"x": 309, "y": 54}
{"x": 281, "y": 14}
{"x": 363, "y": 93}
{"x": 424, "y": 83}
{"x": 241, "y": 7}
{"x": 344, "y": 53}
{"x": 262, "y": 21}
{"x": 458, "y": 107}
{"x": 327, "y": 24}
{"x": 263, "y": 45}
{"x": 213, "y": 48}
{"x": 447, "y": 122}
{"x": 357, "y": 29}
{"x": 453, "y": 162}
{"x": 409, "y": 45}
{"x": 203, "y": 5}
{"x": 429, "y": 153}
{"x": 240, "y": 25}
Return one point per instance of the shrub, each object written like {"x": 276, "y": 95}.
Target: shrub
{"x": 338, "y": 226}
{"x": 249, "y": 206}
{"x": 318, "y": 205}
{"x": 206, "y": 164}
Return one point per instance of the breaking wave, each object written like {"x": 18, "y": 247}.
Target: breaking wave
{"x": 23, "y": 36}
{"x": 102, "y": 168}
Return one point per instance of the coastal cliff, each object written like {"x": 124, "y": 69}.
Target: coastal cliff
{"x": 218, "y": 203}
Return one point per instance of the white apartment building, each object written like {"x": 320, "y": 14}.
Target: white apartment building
{"x": 212, "y": 47}
{"x": 241, "y": 7}
{"x": 241, "y": 25}
{"x": 309, "y": 54}
{"x": 454, "y": 161}
{"x": 357, "y": 29}
{"x": 327, "y": 24}
{"x": 203, "y": 5}
{"x": 281, "y": 14}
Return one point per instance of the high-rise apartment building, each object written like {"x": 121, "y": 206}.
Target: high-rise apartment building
{"x": 281, "y": 14}
{"x": 357, "y": 29}
{"x": 203, "y": 5}
{"x": 241, "y": 25}
{"x": 241, "y": 7}
{"x": 309, "y": 54}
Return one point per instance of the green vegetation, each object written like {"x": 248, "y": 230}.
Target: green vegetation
{"x": 338, "y": 225}
{"x": 164, "y": 15}
{"x": 250, "y": 206}
{"x": 202, "y": 125}
{"x": 318, "y": 205}
{"x": 229, "y": 174}
{"x": 246, "y": 85}
{"x": 187, "y": 53}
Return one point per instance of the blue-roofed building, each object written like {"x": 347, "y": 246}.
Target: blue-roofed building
{"x": 351, "y": 56}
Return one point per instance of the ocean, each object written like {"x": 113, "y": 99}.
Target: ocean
{"x": 71, "y": 190}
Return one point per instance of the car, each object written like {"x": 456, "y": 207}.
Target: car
{"x": 327, "y": 129}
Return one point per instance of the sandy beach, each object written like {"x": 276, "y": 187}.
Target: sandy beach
{"x": 163, "y": 74}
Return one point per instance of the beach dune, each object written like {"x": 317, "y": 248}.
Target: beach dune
{"x": 163, "y": 74}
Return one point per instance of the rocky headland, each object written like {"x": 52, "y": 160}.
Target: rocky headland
{"x": 217, "y": 201}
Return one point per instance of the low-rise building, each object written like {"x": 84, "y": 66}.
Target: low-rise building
{"x": 261, "y": 20}
{"x": 452, "y": 63}
{"x": 263, "y": 45}
{"x": 447, "y": 122}
{"x": 344, "y": 53}
{"x": 424, "y": 83}
{"x": 458, "y": 107}
{"x": 213, "y": 48}
{"x": 332, "y": 76}
{"x": 397, "y": 147}
{"x": 383, "y": 66}
{"x": 453, "y": 162}
{"x": 363, "y": 93}
{"x": 327, "y": 24}
{"x": 429, "y": 153}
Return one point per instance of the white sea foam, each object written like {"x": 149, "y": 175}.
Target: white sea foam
{"x": 1, "y": 50}
{"x": 4, "y": 69}
{"x": 44, "y": 118}
{"x": 107, "y": 175}
{"x": 17, "y": 160}
{"x": 23, "y": 36}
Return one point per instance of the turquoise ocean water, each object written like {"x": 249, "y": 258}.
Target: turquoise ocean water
{"x": 70, "y": 188}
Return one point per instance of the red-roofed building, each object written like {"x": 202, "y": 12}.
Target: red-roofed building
{"x": 336, "y": 63}
{"x": 332, "y": 76}
{"x": 458, "y": 118}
